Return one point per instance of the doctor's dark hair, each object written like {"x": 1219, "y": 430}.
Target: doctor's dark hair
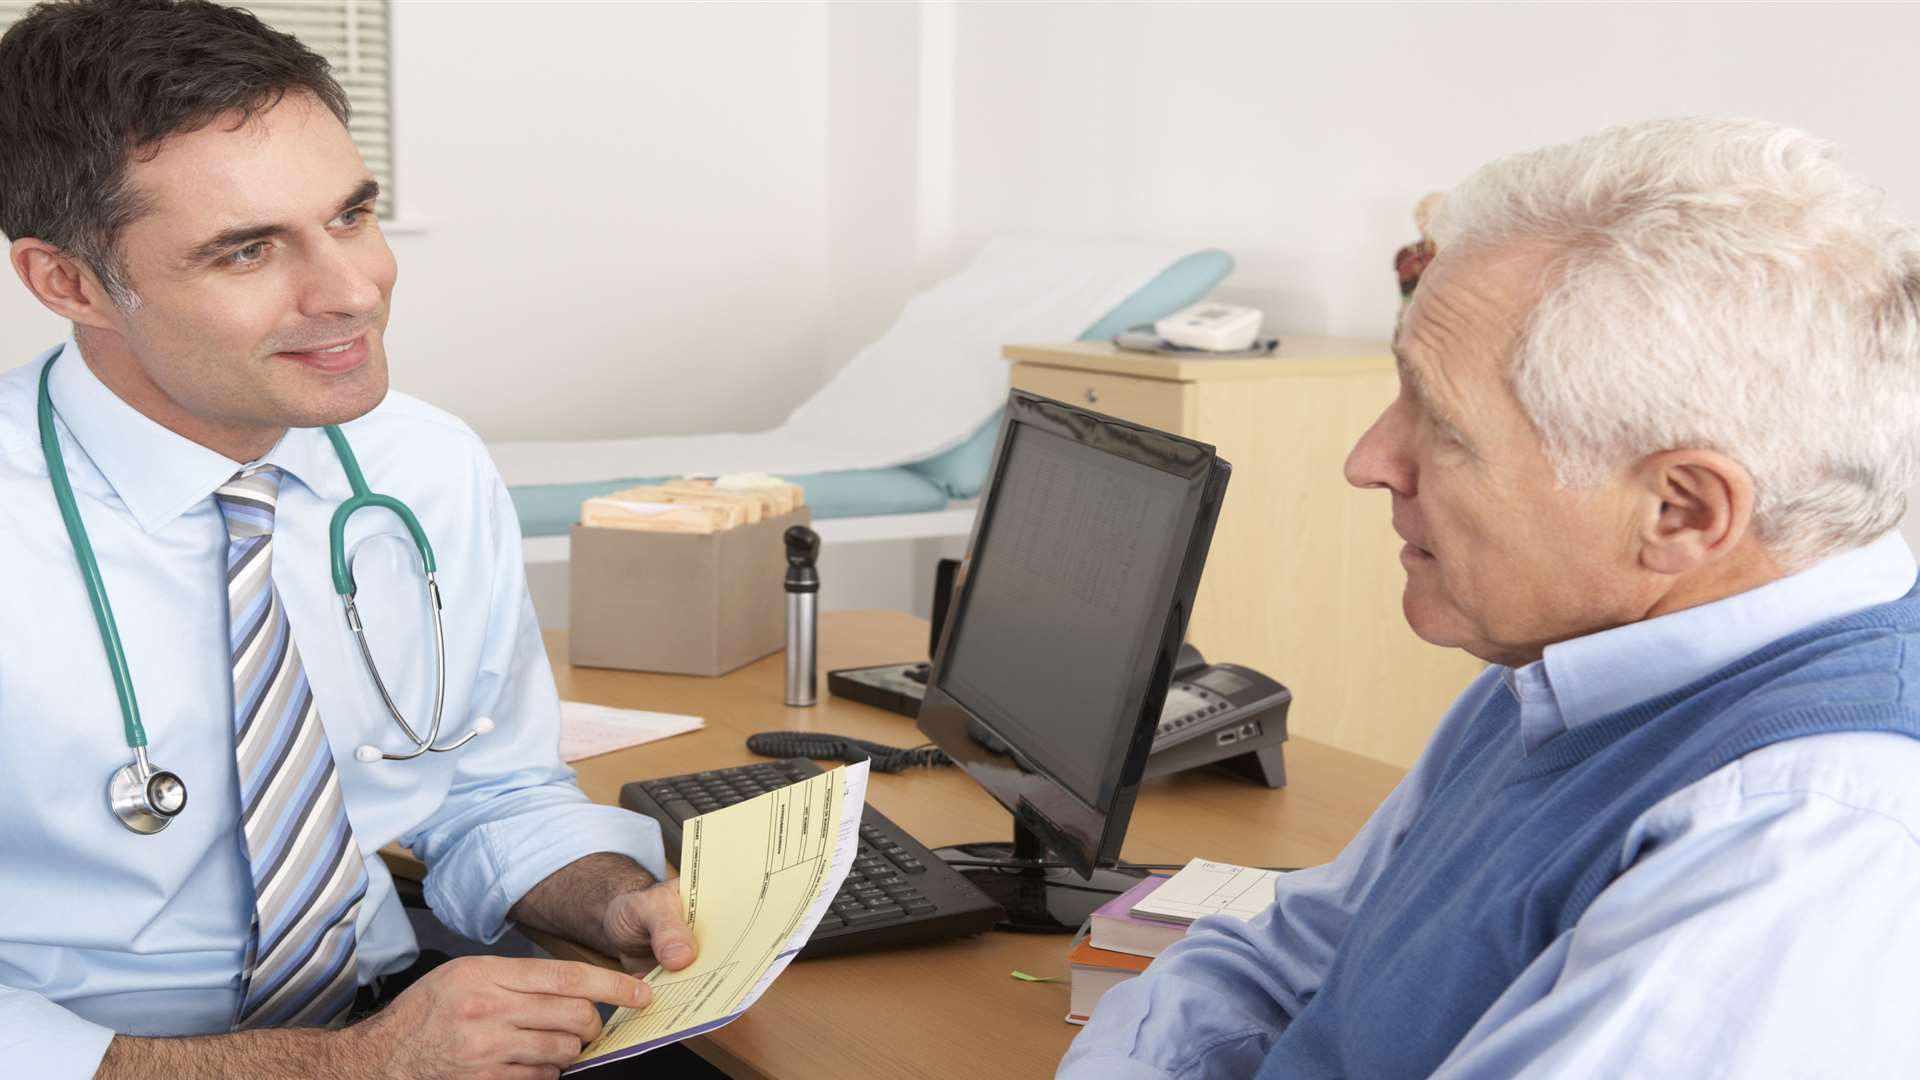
{"x": 87, "y": 86}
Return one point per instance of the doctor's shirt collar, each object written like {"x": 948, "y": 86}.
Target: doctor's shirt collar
{"x": 157, "y": 473}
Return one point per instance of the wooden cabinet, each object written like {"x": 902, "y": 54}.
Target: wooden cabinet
{"x": 1303, "y": 581}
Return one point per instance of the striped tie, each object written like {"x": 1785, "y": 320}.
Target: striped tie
{"x": 308, "y": 874}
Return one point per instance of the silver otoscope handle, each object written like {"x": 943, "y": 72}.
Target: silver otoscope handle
{"x": 803, "y": 597}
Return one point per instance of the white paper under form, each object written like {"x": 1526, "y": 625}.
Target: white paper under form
{"x": 587, "y": 730}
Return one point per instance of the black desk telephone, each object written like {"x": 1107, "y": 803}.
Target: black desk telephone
{"x": 1214, "y": 713}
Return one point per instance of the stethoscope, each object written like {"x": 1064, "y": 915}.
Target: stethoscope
{"x": 146, "y": 799}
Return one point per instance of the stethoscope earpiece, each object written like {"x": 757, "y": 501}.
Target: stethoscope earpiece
{"x": 367, "y": 753}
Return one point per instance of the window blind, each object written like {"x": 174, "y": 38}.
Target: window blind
{"x": 353, "y": 36}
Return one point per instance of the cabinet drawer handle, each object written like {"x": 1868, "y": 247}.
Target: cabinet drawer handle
{"x": 1093, "y": 396}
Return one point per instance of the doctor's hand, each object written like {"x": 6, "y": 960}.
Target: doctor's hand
{"x": 491, "y": 1017}
{"x": 649, "y": 925}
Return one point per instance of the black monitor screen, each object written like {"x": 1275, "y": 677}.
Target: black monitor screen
{"x": 1081, "y": 547}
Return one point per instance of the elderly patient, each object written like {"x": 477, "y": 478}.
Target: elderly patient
{"x": 1656, "y": 422}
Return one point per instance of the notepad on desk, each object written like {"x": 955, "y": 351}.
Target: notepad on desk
{"x": 1204, "y": 887}
{"x": 589, "y": 730}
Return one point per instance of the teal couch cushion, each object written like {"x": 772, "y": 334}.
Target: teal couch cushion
{"x": 962, "y": 471}
{"x": 552, "y": 509}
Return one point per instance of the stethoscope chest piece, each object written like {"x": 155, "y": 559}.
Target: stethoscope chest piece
{"x": 146, "y": 799}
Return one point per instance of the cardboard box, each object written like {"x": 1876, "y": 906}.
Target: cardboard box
{"x": 685, "y": 604}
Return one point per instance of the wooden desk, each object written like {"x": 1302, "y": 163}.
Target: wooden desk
{"x": 949, "y": 1009}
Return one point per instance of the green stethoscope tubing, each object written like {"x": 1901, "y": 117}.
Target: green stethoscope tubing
{"x": 361, "y": 498}
{"x": 343, "y": 583}
{"x": 89, "y": 567}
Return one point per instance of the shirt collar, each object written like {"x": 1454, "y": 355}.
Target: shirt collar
{"x": 1586, "y": 678}
{"x": 157, "y": 473}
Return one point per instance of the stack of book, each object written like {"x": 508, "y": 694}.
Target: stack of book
{"x": 1119, "y": 946}
{"x": 1128, "y": 931}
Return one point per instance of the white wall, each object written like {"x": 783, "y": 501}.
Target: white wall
{"x": 1300, "y": 136}
{"x": 613, "y": 218}
{"x": 625, "y": 212}
{"x": 640, "y": 218}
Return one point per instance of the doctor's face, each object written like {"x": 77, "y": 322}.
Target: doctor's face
{"x": 1500, "y": 560}
{"x": 260, "y": 278}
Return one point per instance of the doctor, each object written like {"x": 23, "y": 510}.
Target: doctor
{"x": 177, "y": 182}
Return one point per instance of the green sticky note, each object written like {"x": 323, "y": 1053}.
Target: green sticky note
{"x": 1024, "y": 977}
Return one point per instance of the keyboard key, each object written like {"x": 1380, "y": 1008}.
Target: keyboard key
{"x": 867, "y": 918}
{"x": 680, "y": 809}
{"x": 913, "y": 866}
{"x": 919, "y": 907}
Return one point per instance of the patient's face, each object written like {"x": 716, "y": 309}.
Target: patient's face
{"x": 1499, "y": 560}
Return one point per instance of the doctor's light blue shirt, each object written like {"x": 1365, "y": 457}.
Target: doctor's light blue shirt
{"x": 103, "y": 930}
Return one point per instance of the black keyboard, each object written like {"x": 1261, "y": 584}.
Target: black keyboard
{"x": 898, "y": 892}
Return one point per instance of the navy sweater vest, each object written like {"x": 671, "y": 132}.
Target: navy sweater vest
{"x": 1510, "y": 848}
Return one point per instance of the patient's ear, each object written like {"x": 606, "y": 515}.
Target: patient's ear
{"x": 1698, "y": 508}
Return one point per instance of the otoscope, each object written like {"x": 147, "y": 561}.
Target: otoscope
{"x": 803, "y": 595}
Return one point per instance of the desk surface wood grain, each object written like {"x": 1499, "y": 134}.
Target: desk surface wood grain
{"x": 951, "y": 1009}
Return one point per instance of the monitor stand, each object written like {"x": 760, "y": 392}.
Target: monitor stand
{"x": 1038, "y": 897}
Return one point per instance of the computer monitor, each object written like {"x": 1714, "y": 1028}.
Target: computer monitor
{"x": 1069, "y": 611}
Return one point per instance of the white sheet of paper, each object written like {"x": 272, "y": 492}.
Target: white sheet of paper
{"x": 587, "y": 730}
{"x": 1203, "y": 887}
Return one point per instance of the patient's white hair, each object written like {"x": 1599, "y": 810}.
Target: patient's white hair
{"x": 1719, "y": 284}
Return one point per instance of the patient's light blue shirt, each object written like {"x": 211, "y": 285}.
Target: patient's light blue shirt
{"x": 103, "y": 930}
{"x": 1770, "y": 932}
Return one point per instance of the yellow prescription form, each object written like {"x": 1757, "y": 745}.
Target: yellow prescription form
{"x": 755, "y": 878}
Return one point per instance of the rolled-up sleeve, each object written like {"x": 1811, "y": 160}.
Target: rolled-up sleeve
{"x": 514, "y": 814}
{"x": 41, "y": 1039}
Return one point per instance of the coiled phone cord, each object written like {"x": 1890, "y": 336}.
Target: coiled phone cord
{"x": 880, "y": 758}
